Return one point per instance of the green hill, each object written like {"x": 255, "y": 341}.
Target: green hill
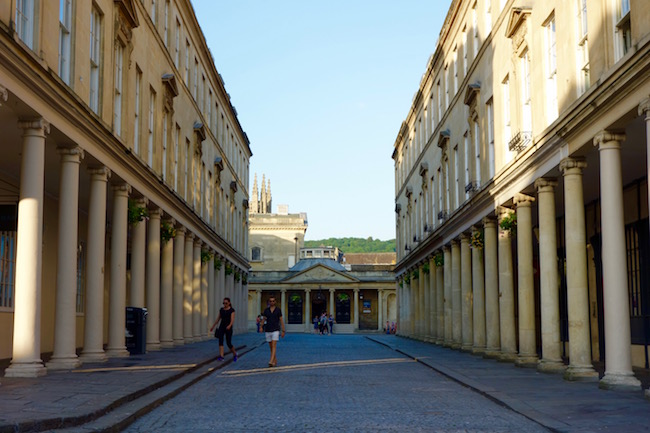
{"x": 355, "y": 245}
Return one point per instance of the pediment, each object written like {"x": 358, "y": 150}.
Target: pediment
{"x": 320, "y": 274}
{"x": 517, "y": 16}
{"x": 128, "y": 10}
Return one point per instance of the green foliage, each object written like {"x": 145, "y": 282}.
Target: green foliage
{"x": 415, "y": 274}
{"x": 136, "y": 213}
{"x": 205, "y": 256}
{"x": 244, "y": 279}
{"x": 167, "y": 232}
{"x": 237, "y": 276}
{"x": 425, "y": 268}
{"x": 355, "y": 245}
{"x": 217, "y": 263}
{"x": 476, "y": 240}
{"x": 439, "y": 260}
{"x": 228, "y": 269}
{"x": 509, "y": 224}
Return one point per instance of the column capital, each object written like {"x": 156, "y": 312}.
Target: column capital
{"x": 38, "y": 124}
{"x": 503, "y": 212}
{"x": 356, "y": 290}
{"x": 141, "y": 201}
{"x": 464, "y": 237}
{"x": 644, "y": 108}
{"x": 446, "y": 248}
{"x": 74, "y": 154}
{"x": 454, "y": 242}
{"x": 171, "y": 221}
{"x": 476, "y": 228}
{"x": 283, "y": 291}
{"x": 332, "y": 290}
{"x": 572, "y": 165}
{"x": 156, "y": 213}
{"x": 198, "y": 242}
{"x": 258, "y": 290}
{"x": 100, "y": 173}
{"x": 608, "y": 140}
{"x": 4, "y": 94}
{"x": 523, "y": 200}
{"x": 489, "y": 222}
{"x": 121, "y": 189}
{"x": 307, "y": 290}
{"x": 181, "y": 229}
{"x": 189, "y": 236}
{"x": 545, "y": 184}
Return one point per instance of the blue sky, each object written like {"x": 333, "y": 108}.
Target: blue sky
{"x": 321, "y": 88}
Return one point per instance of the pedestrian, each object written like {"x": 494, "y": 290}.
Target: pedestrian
{"x": 330, "y": 321}
{"x": 227, "y": 318}
{"x": 315, "y": 321}
{"x": 273, "y": 324}
{"x": 259, "y": 322}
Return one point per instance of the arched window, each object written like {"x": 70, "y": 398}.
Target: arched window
{"x": 256, "y": 254}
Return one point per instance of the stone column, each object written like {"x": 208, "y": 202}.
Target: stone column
{"x": 188, "y": 278}
{"x": 213, "y": 308}
{"x": 399, "y": 294}
{"x": 440, "y": 303}
{"x": 417, "y": 305}
{"x": 93, "y": 350}
{"x": 618, "y": 357}
{"x": 426, "y": 301}
{"x": 204, "y": 301}
{"x": 258, "y": 302}
{"x": 380, "y": 309}
{"x": 456, "y": 297}
{"x": 307, "y": 320}
{"x": 551, "y": 361}
{"x": 221, "y": 281}
{"x": 283, "y": 302}
{"x": 197, "y": 333}
{"x": 152, "y": 284}
{"x": 26, "y": 357}
{"x": 490, "y": 253}
{"x": 644, "y": 110}
{"x": 138, "y": 258}
{"x": 356, "y": 309}
{"x": 178, "y": 289}
{"x": 467, "y": 307}
{"x": 478, "y": 291}
{"x": 525, "y": 283}
{"x": 433, "y": 305}
{"x": 117, "y": 294}
{"x": 64, "y": 356}
{"x": 580, "y": 367}
{"x": 506, "y": 293}
{"x": 166, "y": 290}
{"x": 332, "y": 303}
{"x": 449, "y": 335}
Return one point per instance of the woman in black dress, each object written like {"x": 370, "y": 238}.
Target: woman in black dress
{"x": 227, "y": 318}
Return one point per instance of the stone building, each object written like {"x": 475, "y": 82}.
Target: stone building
{"x": 521, "y": 188}
{"x": 123, "y": 178}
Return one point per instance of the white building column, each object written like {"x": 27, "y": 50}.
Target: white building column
{"x": 525, "y": 283}
{"x": 258, "y": 302}
{"x": 213, "y": 308}
{"x": 138, "y": 258}
{"x": 580, "y": 366}
{"x": 440, "y": 302}
{"x": 332, "y": 304}
{"x": 117, "y": 295}
{"x": 152, "y": 283}
{"x": 618, "y": 357}
{"x": 467, "y": 316}
{"x": 356, "y": 308}
{"x": 178, "y": 295}
{"x": 380, "y": 309}
{"x": 205, "y": 264}
{"x": 491, "y": 257}
{"x": 433, "y": 305}
{"x": 307, "y": 318}
{"x": 188, "y": 279}
{"x": 197, "y": 332}
{"x": 26, "y": 357}
{"x": 425, "y": 301}
{"x": 166, "y": 290}
{"x": 506, "y": 293}
{"x": 478, "y": 292}
{"x": 93, "y": 350}
{"x": 399, "y": 294}
{"x": 549, "y": 279}
{"x": 220, "y": 281}
{"x": 456, "y": 297}
{"x": 283, "y": 303}
{"x": 449, "y": 335}
{"x": 65, "y": 335}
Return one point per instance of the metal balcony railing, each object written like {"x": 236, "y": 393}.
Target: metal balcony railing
{"x": 520, "y": 141}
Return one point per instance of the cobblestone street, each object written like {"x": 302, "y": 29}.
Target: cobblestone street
{"x": 330, "y": 383}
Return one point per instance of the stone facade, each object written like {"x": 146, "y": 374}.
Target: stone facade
{"x": 123, "y": 177}
{"x": 519, "y": 186}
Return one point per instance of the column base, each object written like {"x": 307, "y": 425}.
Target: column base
{"x": 155, "y": 346}
{"x": 527, "y": 361}
{"x": 491, "y": 353}
{"x": 64, "y": 363}
{"x": 439, "y": 341}
{"x": 549, "y": 366}
{"x": 507, "y": 356}
{"x": 166, "y": 344}
{"x": 619, "y": 382}
{"x": 466, "y": 347}
{"x": 90, "y": 357}
{"x": 26, "y": 369}
{"x": 585, "y": 373}
{"x": 455, "y": 346}
{"x": 179, "y": 342}
{"x": 480, "y": 351}
{"x": 117, "y": 352}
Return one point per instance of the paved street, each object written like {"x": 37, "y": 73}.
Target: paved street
{"x": 330, "y": 383}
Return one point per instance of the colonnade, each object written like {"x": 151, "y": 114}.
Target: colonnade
{"x": 463, "y": 294}
{"x": 176, "y": 280}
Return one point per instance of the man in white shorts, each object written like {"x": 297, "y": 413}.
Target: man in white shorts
{"x": 273, "y": 324}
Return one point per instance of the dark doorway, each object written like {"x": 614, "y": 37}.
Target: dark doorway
{"x": 295, "y": 309}
{"x": 319, "y": 303}
{"x": 343, "y": 308}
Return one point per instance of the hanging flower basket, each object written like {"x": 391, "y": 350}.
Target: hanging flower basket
{"x": 509, "y": 224}
{"x": 477, "y": 240}
{"x": 244, "y": 279}
{"x": 228, "y": 269}
{"x": 205, "y": 256}
{"x": 136, "y": 213}
{"x": 237, "y": 277}
{"x": 415, "y": 274}
{"x": 217, "y": 263}
{"x": 407, "y": 278}
{"x": 425, "y": 268}
{"x": 167, "y": 232}
{"x": 439, "y": 260}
